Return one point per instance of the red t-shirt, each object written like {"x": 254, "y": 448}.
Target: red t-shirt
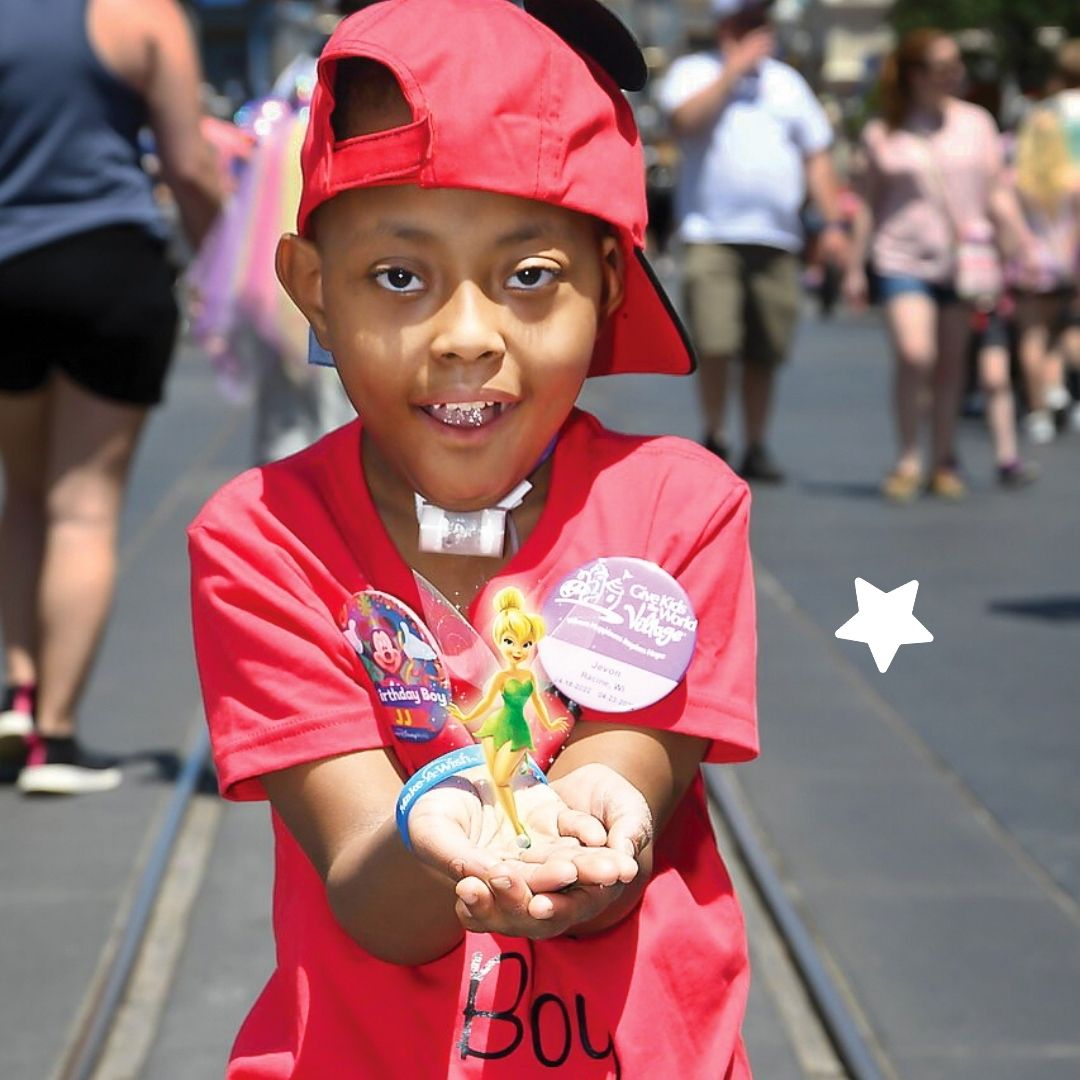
{"x": 275, "y": 554}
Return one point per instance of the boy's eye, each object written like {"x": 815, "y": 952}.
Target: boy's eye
{"x": 532, "y": 277}
{"x": 398, "y": 279}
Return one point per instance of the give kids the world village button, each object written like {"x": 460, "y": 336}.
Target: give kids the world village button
{"x": 620, "y": 634}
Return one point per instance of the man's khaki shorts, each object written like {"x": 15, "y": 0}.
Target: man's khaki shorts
{"x": 742, "y": 300}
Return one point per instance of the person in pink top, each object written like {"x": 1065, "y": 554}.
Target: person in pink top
{"x": 930, "y": 177}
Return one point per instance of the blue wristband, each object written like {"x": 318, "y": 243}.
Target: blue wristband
{"x": 435, "y": 772}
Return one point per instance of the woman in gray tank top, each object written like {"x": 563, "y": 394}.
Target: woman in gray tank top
{"x": 89, "y": 319}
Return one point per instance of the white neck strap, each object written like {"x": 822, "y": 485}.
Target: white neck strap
{"x": 469, "y": 532}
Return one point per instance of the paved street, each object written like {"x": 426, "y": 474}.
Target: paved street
{"x": 926, "y": 821}
{"x": 68, "y": 866}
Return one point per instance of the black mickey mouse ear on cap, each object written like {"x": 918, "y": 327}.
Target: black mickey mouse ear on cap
{"x": 588, "y": 25}
{"x": 596, "y": 30}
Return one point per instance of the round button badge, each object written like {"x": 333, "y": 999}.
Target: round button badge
{"x": 620, "y": 634}
{"x": 401, "y": 657}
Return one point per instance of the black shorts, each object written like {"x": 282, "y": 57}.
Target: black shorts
{"x": 98, "y": 306}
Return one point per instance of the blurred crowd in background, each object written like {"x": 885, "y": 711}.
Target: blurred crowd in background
{"x": 882, "y": 72}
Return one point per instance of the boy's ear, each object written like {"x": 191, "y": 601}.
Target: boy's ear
{"x": 299, "y": 269}
{"x": 613, "y": 270}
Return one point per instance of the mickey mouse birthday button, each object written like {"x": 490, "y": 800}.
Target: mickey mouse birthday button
{"x": 620, "y": 634}
{"x": 403, "y": 661}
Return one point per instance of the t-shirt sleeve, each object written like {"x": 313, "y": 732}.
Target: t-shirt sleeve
{"x": 687, "y": 76}
{"x": 813, "y": 132}
{"x": 279, "y": 680}
{"x": 717, "y": 699}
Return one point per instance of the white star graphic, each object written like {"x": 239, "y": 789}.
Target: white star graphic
{"x": 885, "y": 621}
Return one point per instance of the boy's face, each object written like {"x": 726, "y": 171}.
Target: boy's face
{"x": 462, "y": 323}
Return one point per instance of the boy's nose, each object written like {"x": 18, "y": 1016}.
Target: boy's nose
{"x": 468, "y": 327}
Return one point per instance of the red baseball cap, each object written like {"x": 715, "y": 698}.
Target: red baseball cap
{"x": 502, "y": 102}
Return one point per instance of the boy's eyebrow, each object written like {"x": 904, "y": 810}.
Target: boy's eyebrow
{"x": 521, "y": 234}
{"x": 402, "y": 230}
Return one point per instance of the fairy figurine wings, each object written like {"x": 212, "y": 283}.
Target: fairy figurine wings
{"x": 443, "y": 686}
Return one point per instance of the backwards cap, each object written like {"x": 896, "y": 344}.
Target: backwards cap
{"x": 502, "y": 103}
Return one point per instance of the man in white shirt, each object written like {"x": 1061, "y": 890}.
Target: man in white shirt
{"x": 754, "y": 140}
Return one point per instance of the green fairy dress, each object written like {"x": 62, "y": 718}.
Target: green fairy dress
{"x": 509, "y": 725}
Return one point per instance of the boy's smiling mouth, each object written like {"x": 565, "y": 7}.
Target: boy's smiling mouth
{"x": 467, "y": 414}
{"x": 464, "y": 414}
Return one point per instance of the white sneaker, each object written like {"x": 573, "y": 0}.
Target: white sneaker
{"x": 15, "y": 729}
{"x": 1057, "y": 398}
{"x": 63, "y": 767}
{"x": 1039, "y": 427}
{"x": 16, "y": 723}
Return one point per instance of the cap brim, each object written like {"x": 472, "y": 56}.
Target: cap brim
{"x": 597, "y": 31}
{"x": 645, "y": 336}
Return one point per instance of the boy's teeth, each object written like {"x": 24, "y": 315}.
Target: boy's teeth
{"x": 465, "y": 413}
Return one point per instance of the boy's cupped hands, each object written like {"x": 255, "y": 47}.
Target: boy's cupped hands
{"x": 586, "y": 830}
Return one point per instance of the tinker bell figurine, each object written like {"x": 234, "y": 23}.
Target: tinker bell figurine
{"x": 505, "y": 735}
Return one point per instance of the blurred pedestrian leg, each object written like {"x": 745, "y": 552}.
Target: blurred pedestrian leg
{"x": 70, "y": 477}
{"x": 91, "y": 445}
{"x": 993, "y": 362}
{"x": 89, "y": 318}
{"x": 911, "y": 318}
{"x": 22, "y": 530}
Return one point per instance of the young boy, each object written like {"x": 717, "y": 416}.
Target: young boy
{"x": 469, "y": 250}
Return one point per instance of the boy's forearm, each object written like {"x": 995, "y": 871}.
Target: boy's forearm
{"x": 390, "y": 903}
{"x": 340, "y": 810}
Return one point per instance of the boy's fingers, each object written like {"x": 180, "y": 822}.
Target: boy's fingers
{"x": 579, "y": 904}
{"x": 475, "y": 905}
{"x": 510, "y": 894}
{"x": 605, "y": 867}
{"x": 584, "y": 827}
{"x": 554, "y": 874}
{"x": 541, "y": 907}
{"x": 630, "y": 832}
{"x": 472, "y": 892}
{"x": 449, "y": 850}
{"x": 468, "y": 864}
{"x": 467, "y": 919}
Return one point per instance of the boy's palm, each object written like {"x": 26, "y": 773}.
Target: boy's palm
{"x": 566, "y": 875}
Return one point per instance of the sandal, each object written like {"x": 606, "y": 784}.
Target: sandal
{"x": 946, "y": 484}
{"x": 901, "y": 487}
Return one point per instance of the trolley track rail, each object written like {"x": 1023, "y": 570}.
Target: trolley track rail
{"x": 850, "y": 1051}
{"x": 835, "y": 1009}
{"x": 106, "y": 995}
